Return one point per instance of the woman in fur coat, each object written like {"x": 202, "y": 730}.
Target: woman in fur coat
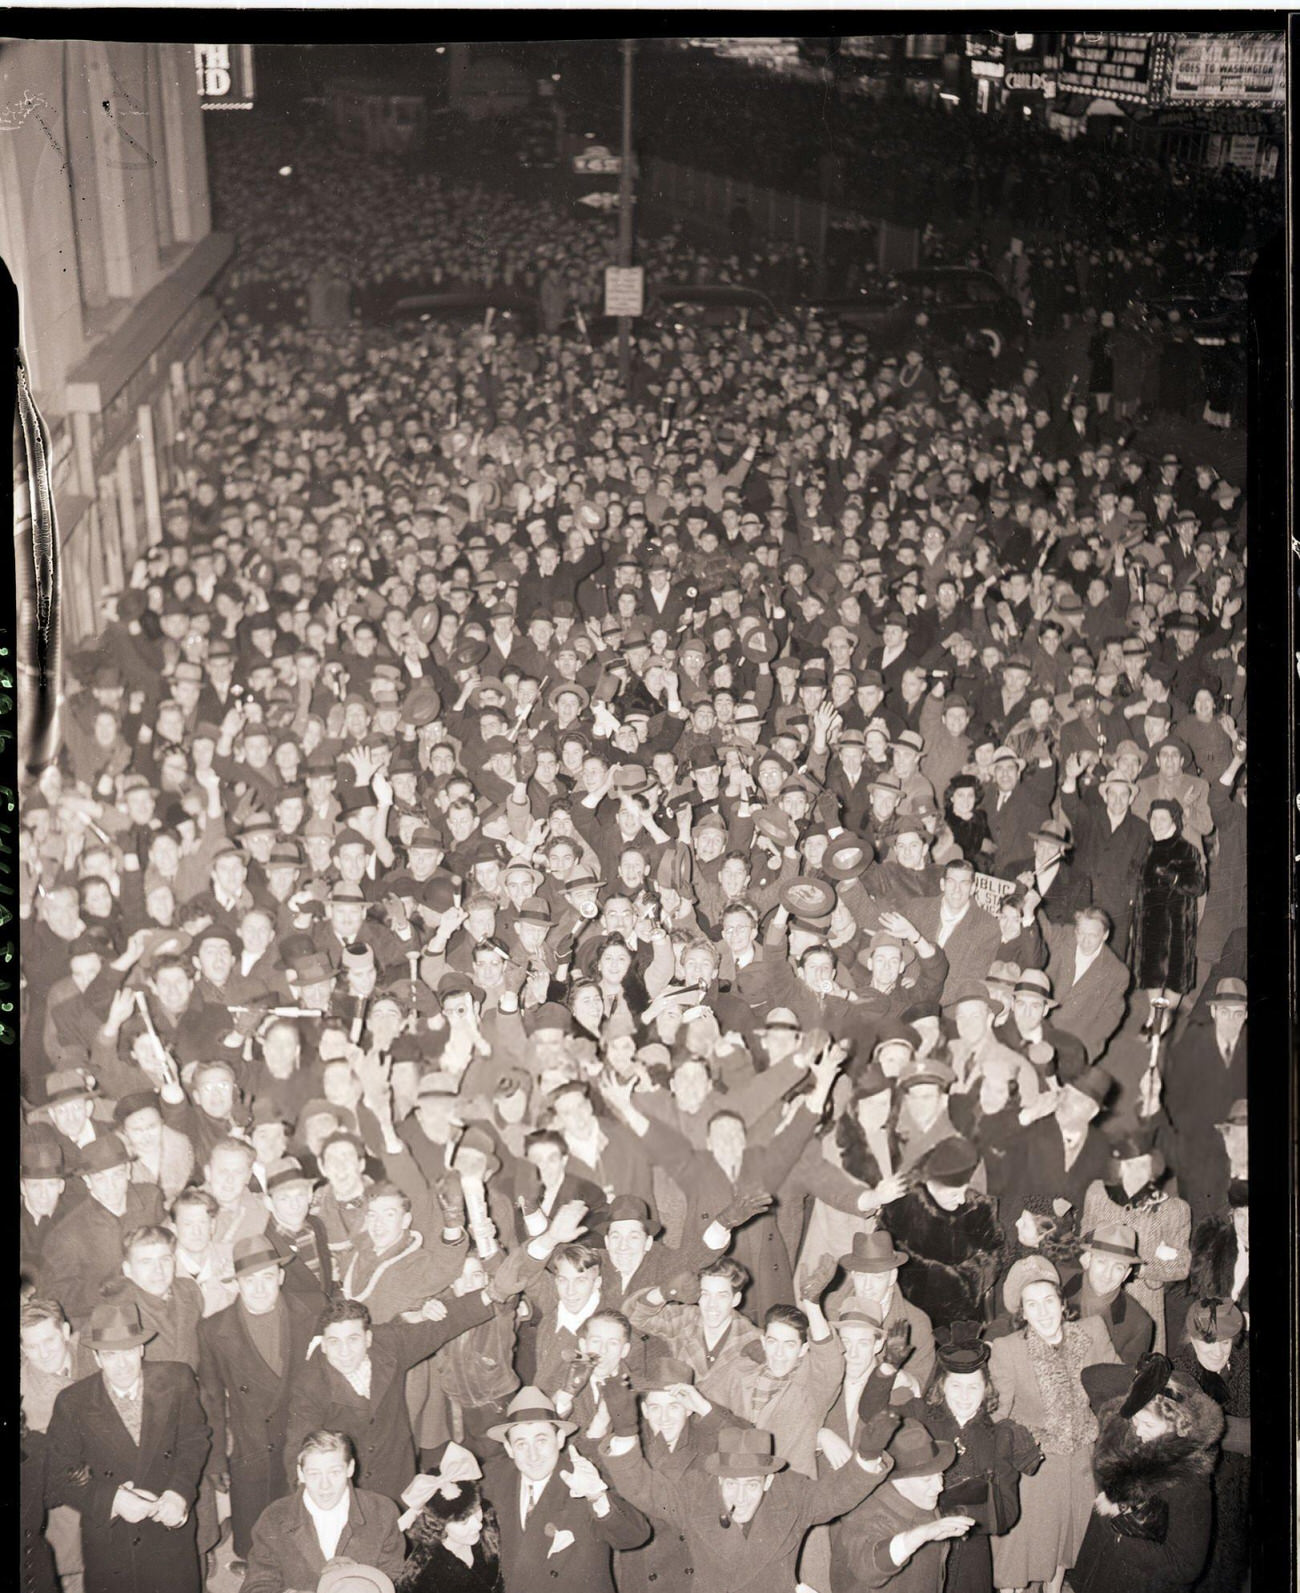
{"x": 1216, "y": 1357}
{"x": 1155, "y": 1453}
{"x": 1171, "y": 883}
{"x": 952, "y": 1236}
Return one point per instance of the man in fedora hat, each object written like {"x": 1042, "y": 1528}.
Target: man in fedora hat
{"x": 897, "y": 1538}
{"x": 557, "y": 1514}
{"x": 1135, "y": 1193}
{"x": 1110, "y": 840}
{"x": 323, "y": 1521}
{"x": 1056, "y": 888}
{"x": 126, "y": 1448}
{"x": 247, "y": 1353}
{"x": 1095, "y": 1287}
{"x": 747, "y": 1533}
{"x": 41, "y": 1183}
{"x": 1016, "y": 804}
{"x": 52, "y": 1359}
{"x": 870, "y": 1383}
{"x": 84, "y": 1246}
{"x": 872, "y": 1267}
{"x": 1060, "y": 1155}
{"x": 1208, "y": 1073}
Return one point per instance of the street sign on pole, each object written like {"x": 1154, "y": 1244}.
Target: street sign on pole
{"x": 597, "y": 161}
{"x": 624, "y": 290}
{"x": 606, "y": 200}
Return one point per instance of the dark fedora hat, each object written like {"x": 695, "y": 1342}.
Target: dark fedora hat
{"x": 105, "y": 1151}
{"x": 916, "y": 1453}
{"x": 846, "y": 857}
{"x": 40, "y": 1157}
{"x": 117, "y": 1326}
{"x": 872, "y": 1252}
{"x": 743, "y": 1452}
{"x": 255, "y": 1251}
{"x": 661, "y": 1373}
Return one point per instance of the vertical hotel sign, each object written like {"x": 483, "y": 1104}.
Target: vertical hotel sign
{"x": 225, "y": 76}
{"x": 1108, "y": 65}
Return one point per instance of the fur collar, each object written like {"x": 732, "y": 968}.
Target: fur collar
{"x": 1130, "y": 1472}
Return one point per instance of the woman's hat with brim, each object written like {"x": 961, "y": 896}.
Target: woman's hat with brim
{"x": 872, "y": 1252}
{"x": 916, "y": 1454}
{"x": 1029, "y": 1269}
{"x": 117, "y": 1326}
{"x": 530, "y": 1405}
{"x": 1212, "y": 1321}
{"x": 743, "y": 1452}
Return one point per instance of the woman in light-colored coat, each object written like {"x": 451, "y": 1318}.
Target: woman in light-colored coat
{"x": 1036, "y": 1373}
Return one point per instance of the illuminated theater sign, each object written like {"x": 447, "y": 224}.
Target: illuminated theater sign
{"x": 1108, "y": 65}
{"x": 225, "y": 75}
{"x": 1226, "y": 69}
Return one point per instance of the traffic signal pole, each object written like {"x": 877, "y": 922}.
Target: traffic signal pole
{"x": 625, "y": 214}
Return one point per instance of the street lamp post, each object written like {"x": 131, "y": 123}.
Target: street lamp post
{"x": 625, "y": 214}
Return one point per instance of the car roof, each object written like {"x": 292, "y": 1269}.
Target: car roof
{"x": 712, "y": 293}
{"x": 940, "y": 273}
{"x": 465, "y": 299}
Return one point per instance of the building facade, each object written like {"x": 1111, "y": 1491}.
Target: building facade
{"x": 105, "y": 227}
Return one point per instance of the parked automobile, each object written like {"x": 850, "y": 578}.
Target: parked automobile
{"x": 952, "y": 305}
{"x": 511, "y": 311}
{"x": 1213, "y": 318}
{"x": 712, "y": 304}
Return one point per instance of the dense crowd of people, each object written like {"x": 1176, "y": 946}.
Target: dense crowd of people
{"x": 638, "y": 987}
{"x": 899, "y": 156}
